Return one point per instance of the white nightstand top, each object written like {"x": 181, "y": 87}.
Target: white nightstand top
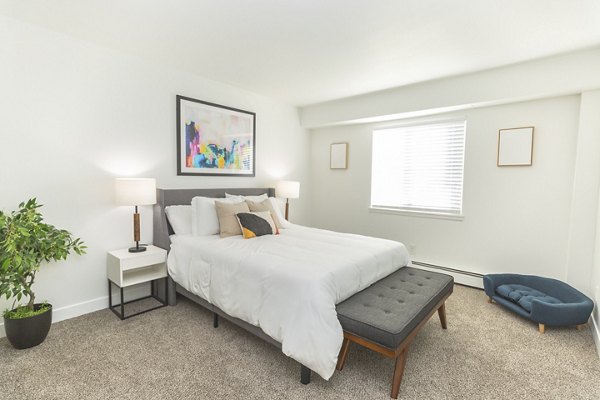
{"x": 124, "y": 254}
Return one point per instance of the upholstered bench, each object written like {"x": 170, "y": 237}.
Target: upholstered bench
{"x": 386, "y": 316}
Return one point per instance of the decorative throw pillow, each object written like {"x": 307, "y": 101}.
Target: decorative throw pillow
{"x": 265, "y": 205}
{"x": 180, "y": 218}
{"x": 226, "y": 213}
{"x": 255, "y": 224}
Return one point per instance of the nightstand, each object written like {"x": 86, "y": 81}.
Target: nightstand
{"x": 125, "y": 269}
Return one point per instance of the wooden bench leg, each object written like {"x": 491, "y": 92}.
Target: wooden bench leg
{"x": 343, "y": 354}
{"x": 442, "y": 314}
{"x": 398, "y": 371}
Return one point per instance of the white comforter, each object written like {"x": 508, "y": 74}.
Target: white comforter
{"x": 288, "y": 284}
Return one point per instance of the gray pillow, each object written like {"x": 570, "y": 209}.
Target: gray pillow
{"x": 256, "y": 224}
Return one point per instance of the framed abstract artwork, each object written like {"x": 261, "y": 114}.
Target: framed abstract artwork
{"x": 214, "y": 140}
{"x": 515, "y": 147}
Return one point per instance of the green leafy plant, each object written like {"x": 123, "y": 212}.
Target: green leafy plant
{"x": 24, "y": 312}
{"x": 25, "y": 243}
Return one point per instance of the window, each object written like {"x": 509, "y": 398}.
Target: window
{"x": 419, "y": 168}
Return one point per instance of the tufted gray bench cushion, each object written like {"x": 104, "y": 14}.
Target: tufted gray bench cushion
{"x": 386, "y": 316}
{"x": 387, "y": 311}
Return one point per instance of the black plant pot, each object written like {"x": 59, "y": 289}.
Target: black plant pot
{"x": 28, "y": 332}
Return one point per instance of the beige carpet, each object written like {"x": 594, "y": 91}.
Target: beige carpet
{"x": 175, "y": 353}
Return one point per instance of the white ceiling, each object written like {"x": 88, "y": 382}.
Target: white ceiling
{"x": 310, "y": 51}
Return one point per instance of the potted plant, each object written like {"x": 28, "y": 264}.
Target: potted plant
{"x": 25, "y": 243}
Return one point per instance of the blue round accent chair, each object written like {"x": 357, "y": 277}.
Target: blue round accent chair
{"x": 543, "y": 300}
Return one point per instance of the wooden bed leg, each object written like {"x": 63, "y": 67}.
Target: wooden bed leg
{"x": 398, "y": 371}
{"x": 304, "y": 375}
{"x": 215, "y": 320}
{"x": 542, "y": 328}
{"x": 343, "y": 354}
{"x": 579, "y": 327}
{"x": 489, "y": 300}
{"x": 442, "y": 314}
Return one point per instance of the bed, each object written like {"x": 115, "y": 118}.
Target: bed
{"x": 282, "y": 288}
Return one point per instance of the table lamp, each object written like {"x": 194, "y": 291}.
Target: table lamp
{"x": 287, "y": 190}
{"x": 135, "y": 192}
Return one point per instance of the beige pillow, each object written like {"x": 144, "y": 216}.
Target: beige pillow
{"x": 265, "y": 205}
{"x": 226, "y": 213}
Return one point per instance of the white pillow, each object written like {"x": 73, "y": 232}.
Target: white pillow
{"x": 180, "y": 218}
{"x": 255, "y": 199}
{"x": 279, "y": 207}
{"x": 204, "y": 215}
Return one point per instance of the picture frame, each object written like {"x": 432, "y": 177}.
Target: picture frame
{"x": 338, "y": 156}
{"x": 214, "y": 140}
{"x": 515, "y": 147}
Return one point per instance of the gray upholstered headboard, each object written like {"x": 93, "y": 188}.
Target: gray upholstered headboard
{"x": 172, "y": 197}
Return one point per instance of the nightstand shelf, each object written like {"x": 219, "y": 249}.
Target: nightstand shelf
{"x": 141, "y": 275}
{"x": 125, "y": 269}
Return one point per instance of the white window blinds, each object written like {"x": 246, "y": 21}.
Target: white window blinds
{"x": 419, "y": 167}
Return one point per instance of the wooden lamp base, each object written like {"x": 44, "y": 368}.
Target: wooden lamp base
{"x": 136, "y": 234}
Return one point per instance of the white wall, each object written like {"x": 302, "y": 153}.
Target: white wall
{"x": 596, "y": 283}
{"x": 560, "y": 75}
{"x": 515, "y": 218}
{"x": 582, "y": 228}
{"x": 590, "y": 120}
{"x": 73, "y": 116}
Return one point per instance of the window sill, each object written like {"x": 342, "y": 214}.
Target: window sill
{"x": 419, "y": 214}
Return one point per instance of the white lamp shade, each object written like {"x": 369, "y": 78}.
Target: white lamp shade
{"x": 287, "y": 189}
{"x": 135, "y": 191}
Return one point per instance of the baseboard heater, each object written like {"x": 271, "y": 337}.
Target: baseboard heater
{"x": 450, "y": 270}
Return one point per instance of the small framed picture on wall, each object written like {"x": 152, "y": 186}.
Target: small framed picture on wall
{"x": 515, "y": 147}
{"x": 338, "y": 156}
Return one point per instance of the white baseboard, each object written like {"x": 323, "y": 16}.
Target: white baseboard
{"x": 75, "y": 310}
{"x": 461, "y": 277}
{"x": 72, "y": 311}
{"x": 596, "y": 333}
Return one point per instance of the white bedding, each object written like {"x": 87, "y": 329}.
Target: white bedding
{"x": 288, "y": 284}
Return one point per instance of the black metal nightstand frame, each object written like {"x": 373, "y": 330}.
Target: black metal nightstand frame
{"x": 121, "y": 305}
